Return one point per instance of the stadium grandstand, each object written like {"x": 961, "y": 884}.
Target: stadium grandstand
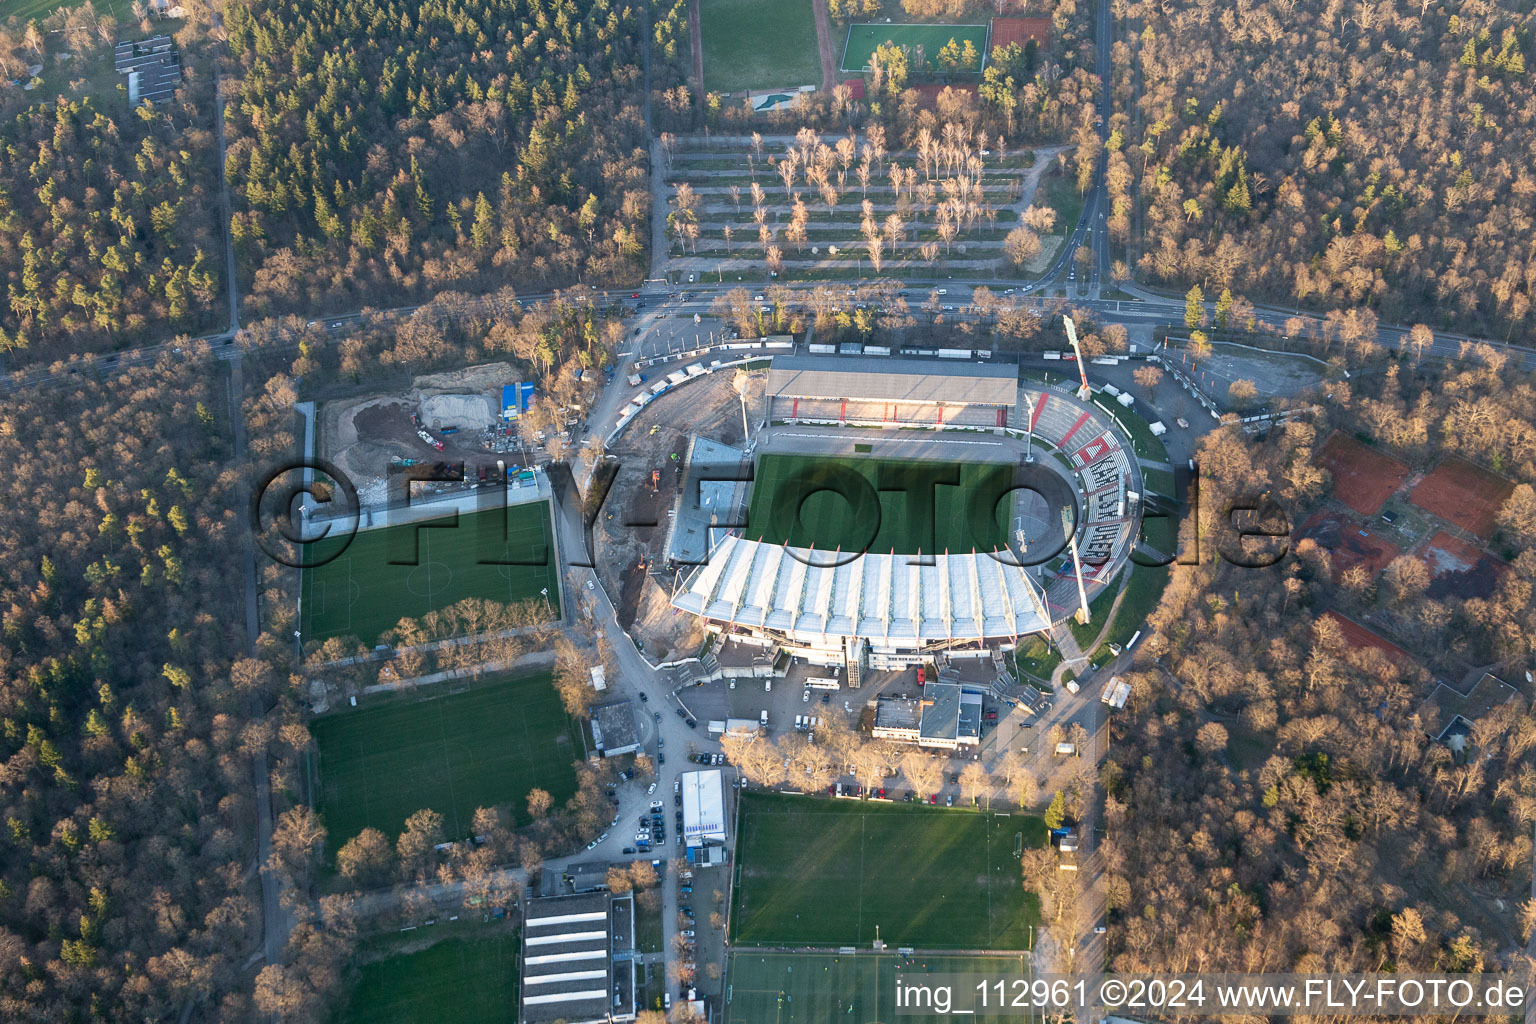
{"x": 879, "y": 610}
{"x": 891, "y": 393}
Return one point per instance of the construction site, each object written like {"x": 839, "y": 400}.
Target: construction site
{"x": 630, "y": 535}
{"x": 463, "y": 429}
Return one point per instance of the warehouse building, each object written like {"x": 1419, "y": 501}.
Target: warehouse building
{"x": 891, "y": 393}
{"x": 578, "y": 964}
{"x": 703, "y": 808}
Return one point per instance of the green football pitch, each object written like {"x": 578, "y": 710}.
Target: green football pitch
{"x": 879, "y": 505}
{"x": 862, "y": 40}
{"x": 825, "y": 988}
{"x": 758, "y": 44}
{"x": 484, "y": 746}
{"x": 465, "y": 981}
{"x": 408, "y": 570}
{"x": 826, "y": 872}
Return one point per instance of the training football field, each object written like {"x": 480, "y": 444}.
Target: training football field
{"x": 486, "y": 745}
{"x": 408, "y": 570}
{"x": 825, "y": 988}
{"x": 467, "y": 981}
{"x": 819, "y": 872}
{"x": 879, "y": 505}
{"x": 863, "y": 39}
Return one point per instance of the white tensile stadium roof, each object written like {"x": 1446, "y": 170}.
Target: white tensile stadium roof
{"x": 971, "y": 596}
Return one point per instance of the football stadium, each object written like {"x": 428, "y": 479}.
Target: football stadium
{"x": 885, "y": 510}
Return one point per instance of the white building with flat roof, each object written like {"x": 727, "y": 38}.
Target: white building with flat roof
{"x": 703, "y": 808}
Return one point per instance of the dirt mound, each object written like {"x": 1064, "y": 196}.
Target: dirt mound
{"x": 467, "y": 412}
{"x": 472, "y": 378}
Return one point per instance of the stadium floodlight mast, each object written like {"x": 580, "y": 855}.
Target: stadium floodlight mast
{"x": 1082, "y": 371}
{"x": 1077, "y": 565}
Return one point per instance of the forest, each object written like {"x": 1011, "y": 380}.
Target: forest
{"x": 1393, "y": 169}
{"x": 125, "y": 730}
{"x": 109, "y": 233}
{"x": 1275, "y": 787}
{"x": 381, "y": 152}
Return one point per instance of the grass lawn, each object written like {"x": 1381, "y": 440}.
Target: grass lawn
{"x": 648, "y": 931}
{"x": 827, "y": 872}
{"x": 814, "y": 988}
{"x": 459, "y": 980}
{"x": 409, "y": 570}
{"x": 1098, "y": 609}
{"x": 1160, "y": 533}
{"x": 1142, "y": 593}
{"x": 1147, "y": 444}
{"x": 1159, "y": 481}
{"x": 877, "y": 516}
{"x": 29, "y": 10}
{"x": 1058, "y": 190}
{"x": 481, "y": 747}
{"x": 758, "y": 44}
{"x": 1037, "y": 657}
{"x": 863, "y": 39}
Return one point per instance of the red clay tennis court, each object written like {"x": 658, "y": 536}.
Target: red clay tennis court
{"x": 1363, "y": 478}
{"x": 1360, "y": 638}
{"x": 1464, "y": 494}
{"x": 1348, "y": 543}
{"x": 1460, "y": 570}
{"x": 1021, "y": 31}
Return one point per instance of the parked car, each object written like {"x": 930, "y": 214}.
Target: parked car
{"x": 644, "y": 697}
{"x": 656, "y": 715}
{"x": 629, "y": 849}
{"x": 933, "y": 799}
{"x": 677, "y": 800}
{"x": 655, "y": 804}
{"x": 991, "y": 716}
{"x": 681, "y": 713}
{"x": 650, "y": 789}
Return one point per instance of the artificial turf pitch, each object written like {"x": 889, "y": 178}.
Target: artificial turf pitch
{"x": 863, "y": 39}
{"x": 826, "y": 988}
{"x": 393, "y": 572}
{"x": 879, "y": 505}
{"x": 819, "y": 872}
{"x": 459, "y": 980}
{"x": 484, "y": 746}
